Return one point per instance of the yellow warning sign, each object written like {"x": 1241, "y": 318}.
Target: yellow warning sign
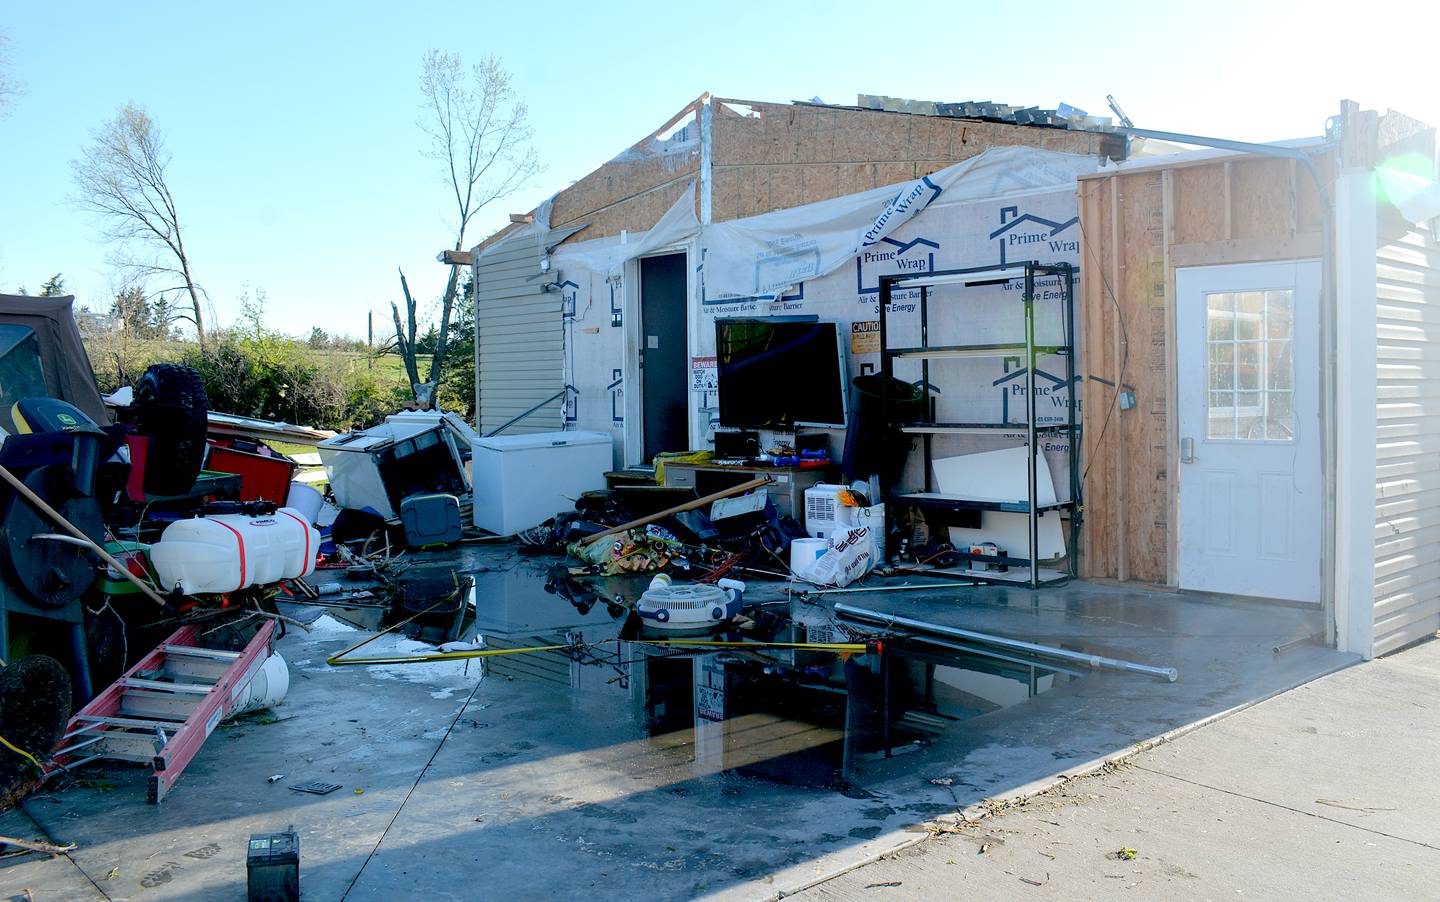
{"x": 865, "y": 337}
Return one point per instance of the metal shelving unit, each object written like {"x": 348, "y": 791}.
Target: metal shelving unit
{"x": 1031, "y": 352}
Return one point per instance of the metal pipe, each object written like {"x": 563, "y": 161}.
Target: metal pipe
{"x": 513, "y": 420}
{"x": 1094, "y": 662}
{"x": 994, "y": 655}
{"x": 853, "y": 589}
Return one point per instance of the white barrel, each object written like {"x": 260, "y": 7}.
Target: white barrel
{"x": 229, "y": 552}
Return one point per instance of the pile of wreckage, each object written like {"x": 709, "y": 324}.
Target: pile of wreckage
{"x": 149, "y": 542}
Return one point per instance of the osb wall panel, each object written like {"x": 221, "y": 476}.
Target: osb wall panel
{"x": 1127, "y": 492}
{"x": 790, "y": 155}
{"x": 1134, "y": 230}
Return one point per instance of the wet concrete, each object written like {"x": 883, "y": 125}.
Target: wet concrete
{"x": 550, "y": 776}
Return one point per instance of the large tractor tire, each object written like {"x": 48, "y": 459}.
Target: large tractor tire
{"x": 171, "y": 411}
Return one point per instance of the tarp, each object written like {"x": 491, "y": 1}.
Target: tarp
{"x": 68, "y": 373}
{"x": 764, "y": 255}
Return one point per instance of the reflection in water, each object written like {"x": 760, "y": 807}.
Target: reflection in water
{"x": 788, "y": 715}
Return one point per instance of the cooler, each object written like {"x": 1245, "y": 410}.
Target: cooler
{"x": 523, "y": 480}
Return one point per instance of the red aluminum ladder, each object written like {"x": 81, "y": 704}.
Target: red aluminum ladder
{"x": 164, "y": 720}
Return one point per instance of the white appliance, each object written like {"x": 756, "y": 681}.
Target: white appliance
{"x": 824, "y": 514}
{"x": 520, "y": 481}
{"x": 379, "y": 466}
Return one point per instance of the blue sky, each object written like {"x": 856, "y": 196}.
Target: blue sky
{"x": 296, "y": 155}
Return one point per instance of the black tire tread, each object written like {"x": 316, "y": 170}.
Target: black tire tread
{"x": 172, "y": 407}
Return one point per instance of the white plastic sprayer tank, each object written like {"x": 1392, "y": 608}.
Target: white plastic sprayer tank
{"x": 228, "y": 552}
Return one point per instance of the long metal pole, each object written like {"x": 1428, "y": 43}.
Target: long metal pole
{"x": 1073, "y": 455}
{"x": 1033, "y": 524}
{"x": 1095, "y": 662}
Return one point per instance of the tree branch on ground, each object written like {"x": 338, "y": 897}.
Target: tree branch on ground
{"x": 121, "y": 179}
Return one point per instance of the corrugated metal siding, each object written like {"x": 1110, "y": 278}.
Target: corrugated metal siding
{"x": 1407, "y": 409}
{"x": 518, "y": 338}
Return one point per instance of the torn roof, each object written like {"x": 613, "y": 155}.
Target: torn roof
{"x": 1064, "y": 116}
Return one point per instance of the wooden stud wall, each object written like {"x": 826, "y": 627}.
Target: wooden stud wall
{"x": 1138, "y": 227}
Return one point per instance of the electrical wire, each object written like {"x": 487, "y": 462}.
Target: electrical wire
{"x": 1124, "y": 349}
{"x": 19, "y": 751}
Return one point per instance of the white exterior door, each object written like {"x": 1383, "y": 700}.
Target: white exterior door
{"x": 1249, "y": 415}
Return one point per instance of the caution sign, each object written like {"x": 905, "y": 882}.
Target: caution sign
{"x": 865, "y": 337}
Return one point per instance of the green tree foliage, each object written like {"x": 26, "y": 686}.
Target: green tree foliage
{"x": 140, "y": 317}
{"x": 457, "y": 392}
{"x": 53, "y": 286}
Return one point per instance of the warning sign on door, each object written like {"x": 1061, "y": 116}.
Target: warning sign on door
{"x": 703, "y": 376}
{"x": 865, "y": 337}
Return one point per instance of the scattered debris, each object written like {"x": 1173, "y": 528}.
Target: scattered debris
{"x": 1362, "y": 809}
{"x": 274, "y": 778}
{"x": 35, "y": 845}
{"x": 1125, "y": 854}
{"x": 887, "y": 883}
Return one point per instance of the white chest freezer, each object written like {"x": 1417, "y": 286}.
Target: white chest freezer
{"x": 521, "y": 481}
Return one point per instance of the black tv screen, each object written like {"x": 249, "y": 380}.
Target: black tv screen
{"x": 778, "y": 374}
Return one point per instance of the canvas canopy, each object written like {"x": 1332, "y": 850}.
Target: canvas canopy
{"x": 64, "y": 363}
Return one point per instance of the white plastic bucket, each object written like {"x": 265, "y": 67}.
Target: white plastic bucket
{"x": 266, "y": 689}
{"x": 804, "y": 553}
{"x": 306, "y": 500}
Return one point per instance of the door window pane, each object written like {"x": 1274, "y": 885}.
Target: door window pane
{"x": 1250, "y": 370}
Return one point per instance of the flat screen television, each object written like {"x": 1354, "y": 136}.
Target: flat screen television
{"x": 779, "y": 373}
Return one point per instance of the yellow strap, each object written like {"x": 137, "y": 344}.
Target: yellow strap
{"x": 19, "y": 751}
{"x": 339, "y": 659}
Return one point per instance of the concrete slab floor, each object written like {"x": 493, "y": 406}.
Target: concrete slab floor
{"x": 1326, "y": 792}
{"x": 515, "y": 784}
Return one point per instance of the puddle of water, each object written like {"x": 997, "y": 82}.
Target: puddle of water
{"x": 786, "y": 715}
{"x": 792, "y": 716}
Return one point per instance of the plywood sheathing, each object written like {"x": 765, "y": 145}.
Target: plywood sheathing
{"x": 1137, "y": 229}
{"x": 785, "y": 155}
{"x": 633, "y": 190}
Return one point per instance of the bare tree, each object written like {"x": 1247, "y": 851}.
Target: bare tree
{"x": 479, "y": 133}
{"x": 121, "y": 177}
{"x": 8, "y": 86}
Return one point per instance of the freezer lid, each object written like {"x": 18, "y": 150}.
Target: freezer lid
{"x": 378, "y": 436}
{"x": 544, "y": 440}
{"x": 356, "y": 441}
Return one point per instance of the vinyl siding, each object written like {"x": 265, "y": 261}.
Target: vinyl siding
{"x": 1407, "y": 409}
{"x": 517, "y": 338}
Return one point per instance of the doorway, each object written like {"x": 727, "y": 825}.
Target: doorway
{"x": 1248, "y": 372}
{"x": 664, "y": 364}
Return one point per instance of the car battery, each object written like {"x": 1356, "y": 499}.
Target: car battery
{"x": 272, "y": 867}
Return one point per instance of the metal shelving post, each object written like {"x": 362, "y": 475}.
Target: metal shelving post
{"x": 927, "y": 428}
